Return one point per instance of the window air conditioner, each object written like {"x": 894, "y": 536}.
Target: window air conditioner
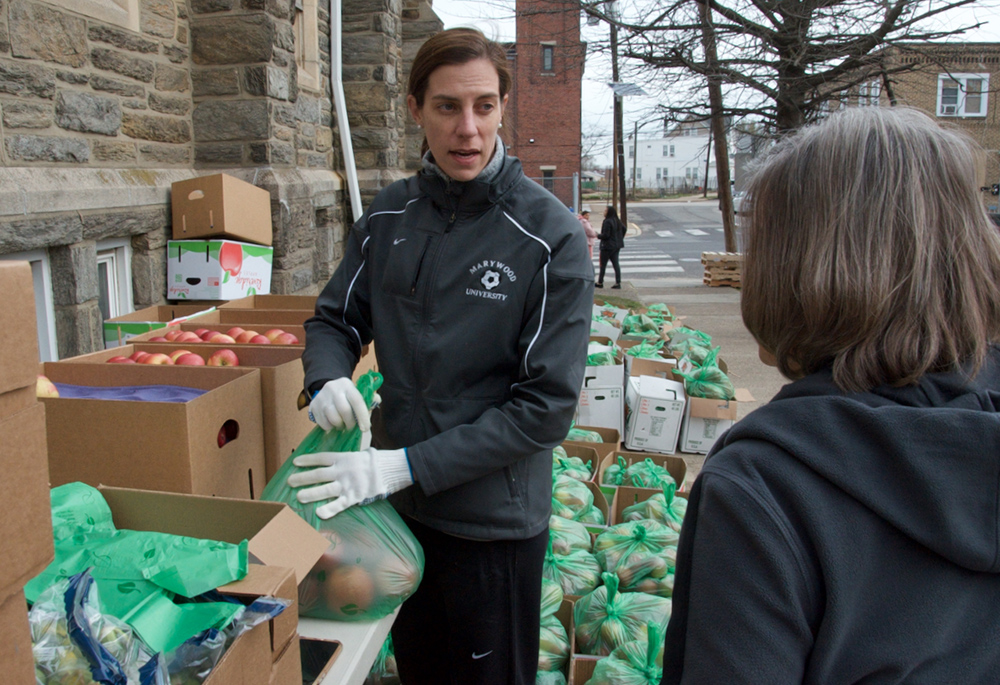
{"x": 949, "y": 110}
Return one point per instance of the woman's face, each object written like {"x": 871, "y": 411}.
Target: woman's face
{"x": 460, "y": 116}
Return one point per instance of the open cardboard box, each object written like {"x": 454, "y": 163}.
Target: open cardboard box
{"x": 158, "y": 445}
{"x": 627, "y": 496}
{"x": 705, "y": 420}
{"x": 120, "y": 328}
{"x": 296, "y": 330}
{"x": 654, "y": 409}
{"x": 610, "y": 440}
{"x": 585, "y": 453}
{"x": 220, "y": 205}
{"x": 271, "y": 318}
{"x": 281, "y": 379}
{"x": 15, "y": 640}
{"x": 581, "y": 668}
{"x": 272, "y": 302}
{"x": 675, "y": 466}
{"x": 282, "y": 549}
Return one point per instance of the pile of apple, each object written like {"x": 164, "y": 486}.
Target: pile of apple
{"x": 225, "y": 357}
{"x": 235, "y": 334}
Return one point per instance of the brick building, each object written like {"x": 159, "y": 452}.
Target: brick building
{"x": 544, "y": 111}
{"x": 105, "y": 103}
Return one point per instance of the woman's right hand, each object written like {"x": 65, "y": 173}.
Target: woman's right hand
{"x": 339, "y": 404}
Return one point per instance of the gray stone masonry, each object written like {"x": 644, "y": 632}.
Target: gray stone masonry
{"x": 74, "y": 273}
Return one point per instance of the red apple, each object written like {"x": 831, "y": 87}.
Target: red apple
{"x": 138, "y": 356}
{"x": 172, "y": 335}
{"x": 158, "y": 338}
{"x": 234, "y": 331}
{"x": 121, "y": 360}
{"x": 221, "y": 339}
{"x": 224, "y": 357}
{"x": 285, "y": 339}
{"x": 189, "y": 359}
{"x": 206, "y": 336}
{"x": 273, "y": 333}
{"x": 201, "y": 331}
{"x": 245, "y": 336}
{"x": 188, "y": 336}
{"x": 176, "y": 353}
{"x": 156, "y": 359}
{"x": 260, "y": 340}
{"x": 45, "y": 388}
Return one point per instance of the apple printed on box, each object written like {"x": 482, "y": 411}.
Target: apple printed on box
{"x": 217, "y": 269}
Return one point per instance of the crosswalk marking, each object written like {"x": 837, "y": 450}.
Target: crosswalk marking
{"x": 695, "y": 231}
{"x": 665, "y": 234}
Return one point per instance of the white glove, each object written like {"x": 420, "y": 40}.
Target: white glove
{"x": 350, "y": 478}
{"x": 339, "y": 404}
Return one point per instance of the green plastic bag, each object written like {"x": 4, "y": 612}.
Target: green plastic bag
{"x": 639, "y": 662}
{"x": 577, "y": 573}
{"x": 553, "y": 645}
{"x": 384, "y": 671}
{"x": 552, "y": 597}
{"x": 550, "y": 678}
{"x": 648, "y": 474}
{"x": 665, "y": 507}
{"x": 567, "y": 535}
{"x": 693, "y": 351}
{"x": 662, "y": 309}
{"x": 573, "y": 467}
{"x": 708, "y": 381}
{"x": 681, "y": 333}
{"x": 606, "y": 618}
{"x": 374, "y": 562}
{"x": 582, "y": 435}
{"x": 643, "y": 554}
{"x": 640, "y": 325}
{"x": 646, "y": 350}
{"x": 572, "y": 499}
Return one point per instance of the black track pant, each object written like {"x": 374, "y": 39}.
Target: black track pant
{"x": 613, "y": 256}
{"x": 475, "y": 618}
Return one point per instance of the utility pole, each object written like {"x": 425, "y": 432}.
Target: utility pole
{"x": 619, "y": 161}
{"x": 708, "y": 157}
{"x": 635, "y": 152}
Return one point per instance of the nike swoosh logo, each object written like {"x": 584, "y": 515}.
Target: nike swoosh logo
{"x": 397, "y": 241}
{"x": 480, "y": 656}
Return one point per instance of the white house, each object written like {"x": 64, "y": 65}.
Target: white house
{"x": 674, "y": 161}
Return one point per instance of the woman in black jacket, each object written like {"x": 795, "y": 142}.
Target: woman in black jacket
{"x": 612, "y": 240}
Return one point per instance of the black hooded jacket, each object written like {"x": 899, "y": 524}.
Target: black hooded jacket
{"x": 847, "y": 538}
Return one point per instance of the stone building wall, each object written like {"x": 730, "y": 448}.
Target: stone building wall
{"x": 98, "y": 120}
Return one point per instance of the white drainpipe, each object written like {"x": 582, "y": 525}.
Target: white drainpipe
{"x": 337, "y": 89}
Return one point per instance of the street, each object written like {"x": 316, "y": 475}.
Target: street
{"x": 667, "y": 249}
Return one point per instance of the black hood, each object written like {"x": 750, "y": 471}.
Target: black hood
{"x": 924, "y": 458}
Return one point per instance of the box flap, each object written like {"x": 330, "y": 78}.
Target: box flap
{"x": 18, "y": 329}
{"x": 289, "y": 541}
{"x": 704, "y": 408}
{"x": 743, "y": 395}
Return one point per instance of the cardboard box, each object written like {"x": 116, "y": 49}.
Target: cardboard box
{"x": 581, "y": 668}
{"x": 271, "y": 581}
{"x": 273, "y": 302}
{"x": 608, "y": 328}
{"x": 317, "y": 658}
{"x": 120, "y": 328}
{"x": 661, "y": 368}
{"x": 654, "y": 410}
{"x": 217, "y": 269}
{"x": 610, "y": 312}
{"x": 705, "y": 421}
{"x": 585, "y": 453}
{"x": 627, "y": 496}
{"x": 287, "y": 668}
{"x": 26, "y": 526}
{"x": 15, "y": 640}
{"x": 247, "y": 318}
{"x": 297, "y": 330}
{"x": 220, "y": 205}
{"x": 604, "y": 407}
{"x": 18, "y": 329}
{"x": 247, "y": 661}
{"x": 675, "y": 466}
{"x": 159, "y": 445}
{"x": 610, "y": 441}
{"x": 281, "y": 380}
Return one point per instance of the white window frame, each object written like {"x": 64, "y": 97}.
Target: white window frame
{"x": 117, "y": 253}
{"x": 548, "y": 48}
{"x": 870, "y": 93}
{"x": 307, "y": 44}
{"x": 124, "y": 13}
{"x": 958, "y": 109}
{"x": 45, "y": 312}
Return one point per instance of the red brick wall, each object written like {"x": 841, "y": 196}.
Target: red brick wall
{"x": 544, "y": 106}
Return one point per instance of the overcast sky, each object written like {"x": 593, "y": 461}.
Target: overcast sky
{"x": 495, "y": 18}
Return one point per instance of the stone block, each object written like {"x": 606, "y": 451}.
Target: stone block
{"x": 139, "y": 68}
{"x": 282, "y": 9}
{"x": 372, "y": 6}
{"x": 282, "y": 153}
{"x": 87, "y": 113}
{"x": 307, "y": 109}
{"x": 120, "y": 38}
{"x": 386, "y": 73}
{"x": 303, "y": 142}
{"x": 324, "y": 139}
{"x": 149, "y": 276}
{"x": 284, "y": 36}
{"x": 225, "y": 120}
{"x": 110, "y": 85}
{"x": 209, "y": 6}
{"x": 283, "y": 133}
{"x": 357, "y": 73}
{"x": 158, "y": 17}
{"x": 255, "y": 79}
{"x": 19, "y": 114}
{"x": 158, "y": 234}
{"x": 79, "y": 329}
{"x": 285, "y": 115}
{"x": 253, "y": 4}
{"x": 4, "y": 39}
{"x": 165, "y": 154}
{"x": 145, "y": 225}
{"x": 366, "y": 49}
{"x": 314, "y": 160}
{"x": 175, "y": 54}
{"x": 218, "y": 153}
{"x": 385, "y": 23}
{"x": 169, "y": 104}
{"x": 113, "y": 151}
{"x": 370, "y": 97}
{"x": 210, "y": 82}
{"x": 134, "y": 104}
{"x": 27, "y": 79}
{"x": 373, "y": 139}
{"x": 277, "y": 83}
{"x": 40, "y": 233}
{"x": 154, "y": 128}
{"x": 74, "y": 77}
{"x": 259, "y": 153}
{"x": 74, "y": 273}
{"x": 42, "y": 32}
{"x": 170, "y": 79}
{"x": 238, "y": 39}
{"x": 182, "y": 35}
{"x": 26, "y": 148}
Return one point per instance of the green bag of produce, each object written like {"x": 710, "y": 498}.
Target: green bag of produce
{"x": 553, "y": 645}
{"x": 567, "y": 535}
{"x": 373, "y": 562}
{"x": 643, "y": 554}
{"x": 665, "y": 507}
{"x": 639, "y": 662}
{"x": 384, "y": 671}
{"x": 582, "y": 435}
{"x": 681, "y": 333}
{"x": 552, "y": 597}
{"x": 646, "y": 350}
{"x": 647, "y": 474}
{"x": 577, "y": 573}
{"x": 573, "y": 467}
{"x": 708, "y": 380}
{"x": 606, "y": 618}
{"x": 572, "y": 499}
{"x": 692, "y": 351}
{"x": 662, "y": 309}
{"x": 550, "y": 678}
{"x": 615, "y": 473}
{"x": 640, "y": 325}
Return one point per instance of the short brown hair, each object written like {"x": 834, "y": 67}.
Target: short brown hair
{"x": 456, "y": 46}
{"x": 868, "y": 249}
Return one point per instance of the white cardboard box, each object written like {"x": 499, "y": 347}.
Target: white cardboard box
{"x": 655, "y": 408}
{"x": 605, "y": 328}
{"x": 601, "y": 407}
{"x": 217, "y": 269}
{"x": 706, "y": 420}
{"x": 608, "y": 376}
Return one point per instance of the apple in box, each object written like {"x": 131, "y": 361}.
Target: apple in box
{"x": 189, "y": 359}
{"x": 225, "y": 357}
{"x": 156, "y": 358}
{"x": 187, "y": 336}
{"x": 121, "y": 360}
{"x": 45, "y": 388}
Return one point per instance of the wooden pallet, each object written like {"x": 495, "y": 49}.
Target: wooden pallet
{"x": 722, "y": 268}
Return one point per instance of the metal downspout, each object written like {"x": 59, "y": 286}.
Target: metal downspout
{"x": 337, "y": 90}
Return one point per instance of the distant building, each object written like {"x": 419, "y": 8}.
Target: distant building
{"x": 543, "y": 112}
{"x": 675, "y": 161}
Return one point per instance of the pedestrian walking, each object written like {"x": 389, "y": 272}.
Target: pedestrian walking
{"x": 589, "y": 231}
{"x": 846, "y": 531}
{"x": 612, "y": 241}
{"x": 473, "y": 281}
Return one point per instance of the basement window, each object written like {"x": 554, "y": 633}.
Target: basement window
{"x": 114, "y": 278}
{"x": 124, "y": 13}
